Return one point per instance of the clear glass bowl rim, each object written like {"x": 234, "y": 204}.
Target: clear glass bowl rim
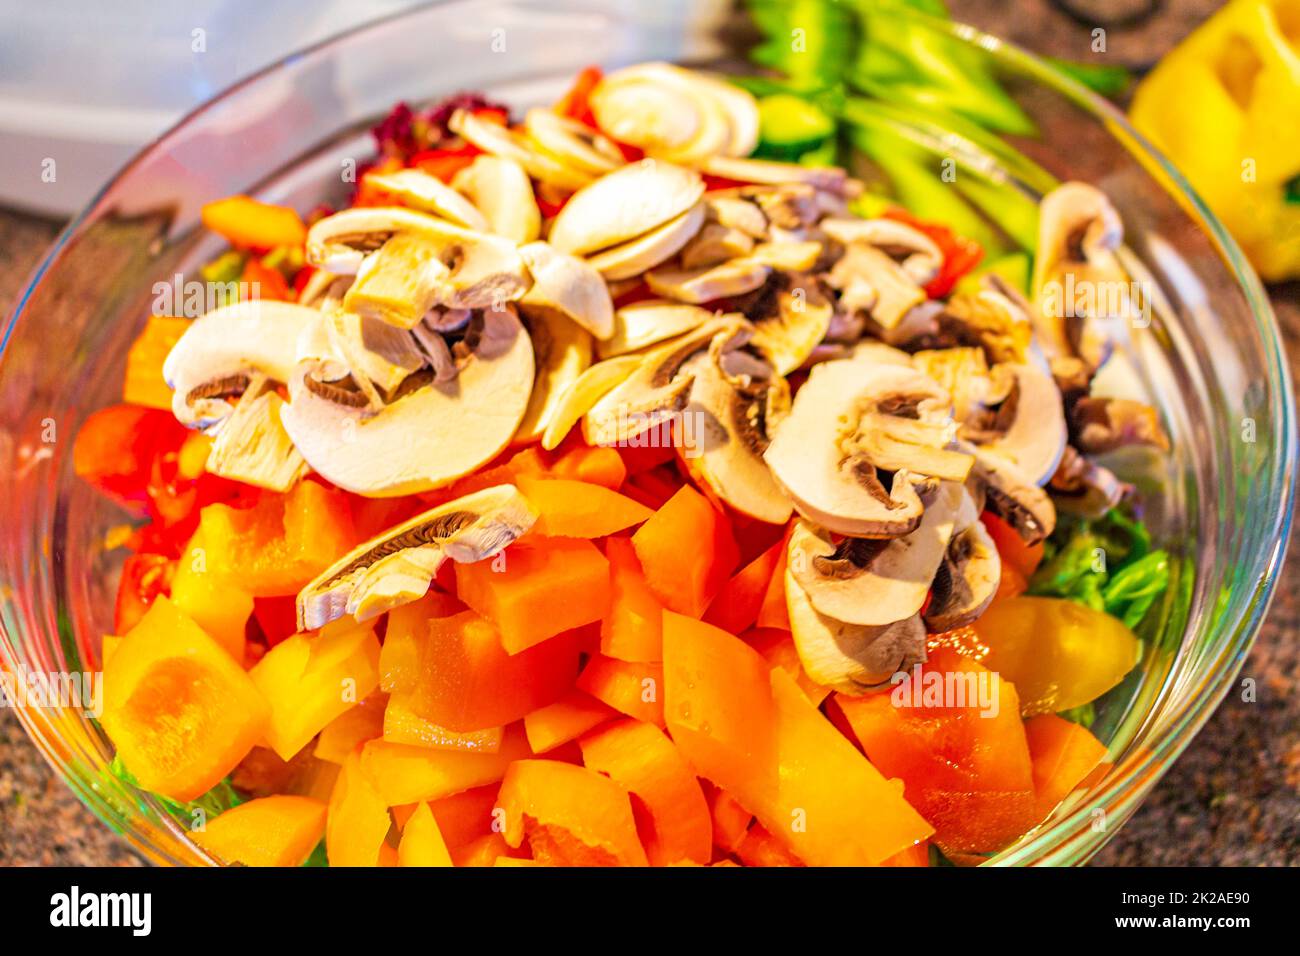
{"x": 1235, "y": 631}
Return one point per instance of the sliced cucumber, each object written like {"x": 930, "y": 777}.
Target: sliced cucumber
{"x": 790, "y": 126}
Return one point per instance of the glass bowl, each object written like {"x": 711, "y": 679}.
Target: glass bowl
{"x": 1210, "y": 359}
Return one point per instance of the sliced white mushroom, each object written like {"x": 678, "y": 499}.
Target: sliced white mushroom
{"x": 1027, "y": 426}
{"x": 791, "y": 318}
{"x": 870, "y": 281}
{"x": 458, "y": 425}
{"x": 499, "y": 141}
{"x": 830, "y": 179}
{"x": 217, "y": 356}
{"x": 918, "y": 255}
{"x": 631, "y": 258}
{"x": 966, "y": 581}
{"x": 623, "y": 205}
{"x": 1082, "y": 487}
{"x": 562, "y": 352}
{"x": 734, "y": 212}
{"x": 706, "y": 284}
{"x": 852, "y": 420}
{"x": 876, "y": 582}
{"x": 571, "y": 143}
{"x": 715, "y": 243}
{"x": 419, "y": 190}
{"x": 649, "y": 322}
{"x": 567, "y": 286}
{"x": 1014, "y": 497}
{"x": 380, "y": 353}
{"x": 397, "y": 567}
{"x": 500, "y": 189}
{"x": 587, "y": 389}
{"x": 788, "y": 256}
{"x": 252, "y": 446}
{"x": 850, "y": 658}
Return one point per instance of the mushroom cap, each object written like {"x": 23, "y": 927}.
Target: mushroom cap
{"x": 457, "y": 425}
{"x": 233, "y": 342}
{"x": 624, "y": 204}
{"x": 501, "y": 190}
{"x": 1035, "y": 437}
{"x": 648, "y": 250}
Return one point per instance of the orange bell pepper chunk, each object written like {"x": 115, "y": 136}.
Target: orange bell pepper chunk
{"x": 180, "y": 711}
{"x": 686, "y": 552}
{"x": 487, "y": 850}
{"x": 632, "y": 688}
{"x": 567, "y": 719}
{"x": 357, "y": 822}
{"x": 536, "y": 591}
{"x": 422, "y": 843}
{"x": 577, "y": 509}
{"x": 468, "y": 815}
{"x": 772, "y": 611}
{"x": 718, "y": 706}
{"x": 641, "y": 758}
{"x": 736, "y": 607}
{"x": 597, "y": 466}
{"x": 915, "y": 855}
{"x": 759, "y": 848}
{"x": 1064, "y": 756}
{"x": 310, "y": 679}
{"x": 777, "y": 648}
{"x": 730, "y": 820}
{"x": 571, "y": 816}
{"x": 1013, "y": 551}
{"x": 280, "y": 830}
{"x": 350, "y": 729}
{"x": 632, "y": 629}
{"x": 456, "y": 672}
{"x": 965, "y": 762}
{"x": 209, "y": 598}
{"x": 247, "y": 223}
{"x": 144, "y": 384}
{"x": 402, "y": 725}
{"x": 406, "y": 774}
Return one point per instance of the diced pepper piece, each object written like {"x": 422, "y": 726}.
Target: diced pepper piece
{"x": 1012, "y": 549}
{"x": 468, "y": 815}
{"x": 954, "y": 737}
{"x": 772, "y": 612}
{"x": 686, "y": 552}
{"x": 547, "y": 587}
{"x": 358, "y": 820}
{"x": 1064, "y": 755}
{"x": 422, "y": 843}
{"x": 916, "y": 855}
{"x": 402, "y": 725}
{"x": 277, "y": 546}
{"x": 641, "y": 758}
{"x": 571, "y": 816}
{"x": 718, "y": 706}
{"x": 730, "y": 820}
{"x": 577, "y": 509}
{"x": 487, "y": 850}
{"x": 262, "y": 282}
{"x": 144, "y": 384}
{"x": 350, "y": 729}
{"x": 215, "y": 604}
{"x": 777, "y": 648}
{"x": 645, "y": 457}
{"x": 247, "y": 223}
{"x": 630, "y": 687}
{"x": 759, "y": 848}
{"x": 116, "y": 447}
{"x": 736, "y": 607}
{"x": 310, "y": 679}
{"x": 567, "y": 719}
{"x": 180, "y": 711}
{"x": 632, "y": 629}
{"x": 280, "y": 830}
{"x": 277, "y": 617}
{"x": 406, "y": 774}
{"x": 144, "y": 578}
{"x": 455, "y": 672}
{"x": 597, "y": 466}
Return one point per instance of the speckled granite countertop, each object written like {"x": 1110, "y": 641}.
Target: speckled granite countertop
{"x": 1232, "y": 799}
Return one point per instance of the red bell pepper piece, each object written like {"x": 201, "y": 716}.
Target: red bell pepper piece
{"x": 144, "y": 578}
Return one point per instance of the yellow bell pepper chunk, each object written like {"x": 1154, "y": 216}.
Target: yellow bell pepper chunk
{"x": 280, "y": 830}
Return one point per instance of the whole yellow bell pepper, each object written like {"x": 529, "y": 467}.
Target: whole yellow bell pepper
{"x": 1224, "y": 105}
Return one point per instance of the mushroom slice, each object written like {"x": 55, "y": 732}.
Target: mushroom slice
{"x": 218, "y": 355}
{"x": 1013, "y": 497}
{"x": 1027, "y": 423}
{"x": 324, "y": 290}
{"x": 851, "y": 420}
{"x": 500, "y": 189}
{"x": 830, "y": 179}
{"x": 917, "y": 254}
{"x": 646, "y": 251}
{"x": 656, "y": 392}
{"x": 373, "y": 350}
{"x": 571, "y": 143}
{"x": 507, "y": 144}
{"x": 715, "y": 243}
{"x": 419, "y": 190}
{"x": 624, "y": 204}
{"x": 736, "y": 399}
{"x": 587, "y": 389}
{"x": 870, "y": 281}
{"x": 397, "y": 567}
{"x": 733, "y": 212}
{"x": 1104, "y": 424}
{"x": 713, "y": 282}
{"x": 252, "y": 446}
{"x": 966, "y": 581}
{"x": 861, "y": 581}
{"x": 457, "y": 425}
{"x": 567, "y": 286}
{"x": 788, "y": 255}
{"x": 642, "y": 324}
{"x": 562, "y": 352}
{"x": 791, "y": 318}
{"x": 1085, "y": 488}
{"x": 850, "y": 658}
